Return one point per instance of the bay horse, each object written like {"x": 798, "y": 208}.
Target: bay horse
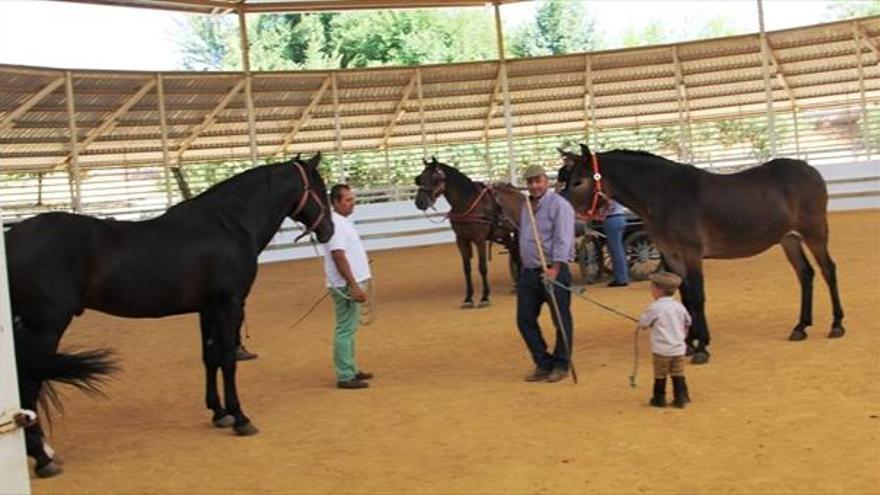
{"x": 200, "y": 256}
{"x": 692, "y": 214}
{"x": 479, "y": 214}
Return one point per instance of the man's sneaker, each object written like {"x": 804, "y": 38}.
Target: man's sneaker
{"x": 242, "y": 354}
{"x": 556, "y": 375}
{"x": 354, "y": 383}
{"x": 539, "y": 375}
{"x": 363, "y": 375}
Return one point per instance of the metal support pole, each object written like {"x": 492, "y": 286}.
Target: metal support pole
{"x": 248, "y": 86}
{"x": 866, "y": 125}
{"x": 73, "y": 168}
{"x": 588, "y": 97}
{"x": 163, "y": 128}
{"x": 421, "y": 113}
{"x": 765, "y": 63}
{"x": 340, "y": 168}
{"x": 508, "y": 122}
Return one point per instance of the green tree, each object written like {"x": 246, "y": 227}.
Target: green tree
{"x": 846, "y": 9}
{"x": 206, "y": 42}
{"x": 559, "y": 27}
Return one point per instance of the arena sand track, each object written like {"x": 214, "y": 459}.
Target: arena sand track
{"x": 449, "y": 413}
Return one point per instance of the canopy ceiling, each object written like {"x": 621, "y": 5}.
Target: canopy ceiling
{"x": 119, "y": 122}
{"x": 255, "y": 6}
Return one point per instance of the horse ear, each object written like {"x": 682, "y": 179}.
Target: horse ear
{"x": 434, "y": 160}
{"x": 585, "y": 150}
{"x": 315, "y": 160}
{"x": 425, "y": 161}
{"x": 297, "y": 157}
{"x": 560, "y": 150}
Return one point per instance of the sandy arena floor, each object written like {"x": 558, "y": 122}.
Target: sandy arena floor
{"x": 448, "y": 411}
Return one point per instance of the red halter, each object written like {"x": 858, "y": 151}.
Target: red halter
{"x": 303, "y": 201}
{"x": 596, "y": 212}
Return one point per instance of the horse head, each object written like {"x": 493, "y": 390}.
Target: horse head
{"x": 313, "y": 210}
{"x": 431, "y": 182}
{"x": 580, "y": 185}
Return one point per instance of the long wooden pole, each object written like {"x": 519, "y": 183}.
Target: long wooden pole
{"x": 163, "y": 128}
{"x": 768, "y": 90}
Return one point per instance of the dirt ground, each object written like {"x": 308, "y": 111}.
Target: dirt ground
{"x": 448, "y": 411}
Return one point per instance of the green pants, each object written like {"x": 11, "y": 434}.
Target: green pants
{"x": 347, "y": 315}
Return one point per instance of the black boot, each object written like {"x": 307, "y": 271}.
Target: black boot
{"x": 680, "y": 392}
{"x": 659, "y": 398}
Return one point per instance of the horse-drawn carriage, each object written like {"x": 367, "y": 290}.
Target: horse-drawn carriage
{"x": 593, "y": 256}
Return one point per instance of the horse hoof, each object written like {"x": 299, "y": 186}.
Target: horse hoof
{"x": 700, "y": 357}
{"x": 224, "y": 421}
{"x": 49, "y": 470}
{"x": 797, "y": 335}
{"x": 467, "y": 305}
{"x": 836, "y": 332}
{"x": 246, "y": 429}
{"x": 485, "y": 304}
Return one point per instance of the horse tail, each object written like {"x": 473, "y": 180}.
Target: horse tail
{"x": 39, "y": 364}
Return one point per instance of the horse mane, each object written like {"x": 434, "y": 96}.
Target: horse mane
{"x": 219, "y": 191}
{"x": 459, "y": 176}
{"x": 646, "y": 154}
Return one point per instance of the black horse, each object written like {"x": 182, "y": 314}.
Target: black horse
{"x": 200, "y": 256}
{"x": 692, "y": 214}
{"x": 480, "y": 214}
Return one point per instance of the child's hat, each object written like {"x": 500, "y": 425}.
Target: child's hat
{"x": 666, "y": 280}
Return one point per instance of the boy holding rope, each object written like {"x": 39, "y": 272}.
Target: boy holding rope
{"x": 668, "y": 321}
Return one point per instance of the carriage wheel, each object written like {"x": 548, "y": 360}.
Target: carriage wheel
{"x": 588, "y": 259}
{"x": 642, "y": 256}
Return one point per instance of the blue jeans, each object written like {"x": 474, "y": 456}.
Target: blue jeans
{"x": 530, "y": 296}
{"x": 614, "y": 227}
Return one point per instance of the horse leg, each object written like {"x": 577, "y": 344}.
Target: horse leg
{"x": 226, "y": 320}
{"x": 211, "y": 360}
{"x": 693, "y": 295}
{"x": 484, "y": 272}
{"x": 791, "y": 244}
{"x": 46, "y": 325}
{"x": 818, "y": 245}
{"x": 464, "y": 247}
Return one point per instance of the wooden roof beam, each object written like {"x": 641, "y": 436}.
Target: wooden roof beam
{"x": 208, "y": 121}
{"x": 304, "y": 116}
{"x": 22, "y": 109}
{"x": 780, "y": 73}
{"x": 871, "y": 42}
{"x": 399, "y": 110}
{"x": 110, "y": 121}
{"x": 493, "y": 103}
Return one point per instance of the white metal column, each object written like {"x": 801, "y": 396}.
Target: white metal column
{"x": 508, "y": 123}
{"x": 768, "y": 90}
{"x": 13, "y": 460}
{"x": 248, "y": 86}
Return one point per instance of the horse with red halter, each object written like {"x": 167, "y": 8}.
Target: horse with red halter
{"x": 692, "y": 214}
{"x": 480, "y": 214}
{"x": 200, "y": 256}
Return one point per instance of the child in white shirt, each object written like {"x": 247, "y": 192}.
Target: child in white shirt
{"x": 669, "y": 321}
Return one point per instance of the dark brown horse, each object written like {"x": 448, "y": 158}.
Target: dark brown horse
{"x": 692, "y": 214}
{"x": 480, "y": 214}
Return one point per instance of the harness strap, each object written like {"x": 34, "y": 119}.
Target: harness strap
{"x": 595, "y": 212}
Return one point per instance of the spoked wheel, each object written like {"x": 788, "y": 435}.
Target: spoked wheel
{"x": 589, "y": 254}
{"x": 642, "y": 256}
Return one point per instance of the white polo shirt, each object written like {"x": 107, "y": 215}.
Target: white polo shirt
{"x": 671, "y": 323}
{"x": 346, "y": 238}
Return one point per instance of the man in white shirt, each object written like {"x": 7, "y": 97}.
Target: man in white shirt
{"x": 347, "y": 269}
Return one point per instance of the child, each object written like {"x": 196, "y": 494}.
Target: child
{"x": 669, "y": 321}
